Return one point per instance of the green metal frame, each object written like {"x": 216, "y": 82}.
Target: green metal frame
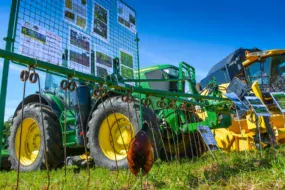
{"x": 5, "y": 72}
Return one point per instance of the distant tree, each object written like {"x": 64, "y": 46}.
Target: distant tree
{"x": 6, "y": 132}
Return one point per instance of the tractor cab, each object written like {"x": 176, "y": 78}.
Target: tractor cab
{"x": 267, "y": 68}
{"x": 169, "y": 78}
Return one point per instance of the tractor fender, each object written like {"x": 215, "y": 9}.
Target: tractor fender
{"x": 46, "y": 100}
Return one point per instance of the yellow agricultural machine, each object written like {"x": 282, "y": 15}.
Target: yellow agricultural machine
{"x": 261, "y": 72}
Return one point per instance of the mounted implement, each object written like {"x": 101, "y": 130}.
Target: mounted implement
{"x": 262, "y": 72}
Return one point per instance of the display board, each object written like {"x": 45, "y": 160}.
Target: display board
{"x": 279, "y": 99}
{"x": 84, "y": 35}
{"x": 235, "y": 99}
{"x": 37, "y": 42}
{"x": 257, "y": 105}
{"x": 208, "y": 137}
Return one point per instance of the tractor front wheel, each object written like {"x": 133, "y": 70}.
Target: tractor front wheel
{"x": 26, "y": 142}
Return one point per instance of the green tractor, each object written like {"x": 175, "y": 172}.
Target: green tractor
{"x": 109, "y": 122}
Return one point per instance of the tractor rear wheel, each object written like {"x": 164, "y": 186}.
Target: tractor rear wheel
{"x": 112, "y": 126}
{"x": 32, "y": 155}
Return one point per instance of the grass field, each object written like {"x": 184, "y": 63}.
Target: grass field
{"x": 233, "y": 171}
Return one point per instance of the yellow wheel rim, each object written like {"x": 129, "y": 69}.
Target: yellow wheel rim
{"x": 30, "y": 142}
{"x": 115, "y": 142}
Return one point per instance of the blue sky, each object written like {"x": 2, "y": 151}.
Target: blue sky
{"x": 198, "y": 32}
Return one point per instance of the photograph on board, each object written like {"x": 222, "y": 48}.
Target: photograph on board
{"x": 126, "y": 17}
{"x": 279, "y": 99}
{"x": 126, "y": 59}
{"x": 235, "y": 99}
{"x": 104, "y": 59}
{"x": 259, "y": 108}
{"x": 75, "y": 12}
{"x": 79, "y": 51}
{"x": 100, "y": 22}
{"x": 103, "y": 62}
{"x": 127, "y": 64}
{"x": 254, "y": 101}
{"x": 79, "y": 40}
{"x": 36, "y": 41}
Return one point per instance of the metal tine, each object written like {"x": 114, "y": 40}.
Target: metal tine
{"x": 164, "y": 124}
{"x": 129, "y": 113}
{"x": 112, "y": 139}
{"x": 193, "y": 135}
{"x": 177, "y": 143}
{"x": 189, "y": 133}
{"x": 152, "y": 131}
{"x": 21, "y": 126}
{"x": 245, "y": 151}
{"x": 160, "y": 135}
{"x": 153, "y": 136}
{"x": 155, "y": 143}
{"x": 126, "y": 149}
{"x": 64, "y": 137}
{"x": 182, "y": 134}
{"x": 43, "y": 128}
{"x": 103, "y": 104}
{"x": 172, "y": 137}
{"x": 198, "y": 137}
{"x": 258, "y": 122}
{"x": 84, "y": 138}
{"x": 168, "y": 138}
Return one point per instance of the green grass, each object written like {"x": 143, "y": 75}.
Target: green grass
{"x": 234, "y": 171}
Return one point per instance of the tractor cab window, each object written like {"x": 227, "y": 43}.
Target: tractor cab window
{"x": 52, "y": 85}
{"x": 169, "y": 73}
{"x": 259, "y": 71}
{"x": 172, "y": 74}
{"x": 278, "y": 65}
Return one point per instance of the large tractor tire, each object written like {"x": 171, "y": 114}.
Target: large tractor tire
{"x": 109, "y": 148}
{"x": 32, "y": 155}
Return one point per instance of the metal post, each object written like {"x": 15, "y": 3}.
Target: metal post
{"x": 139, "y": 77}
{"x": 5, "y": 72}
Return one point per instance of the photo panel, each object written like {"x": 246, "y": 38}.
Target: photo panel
{"x": 127, "y": 64}
{"x": 75, "y": 13}
{"x": 235, "y": 99}
{"x": 279, "y": 99}
{"x": 79, "y": 51}
{"x": 259, "y": 108}
{"x": 126, "y": 16}
{"x": 100, "y": 22}
{"x": 208, "y": 137}
{"x": 103, "y": 62}
{"x": 38, "y": 43}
